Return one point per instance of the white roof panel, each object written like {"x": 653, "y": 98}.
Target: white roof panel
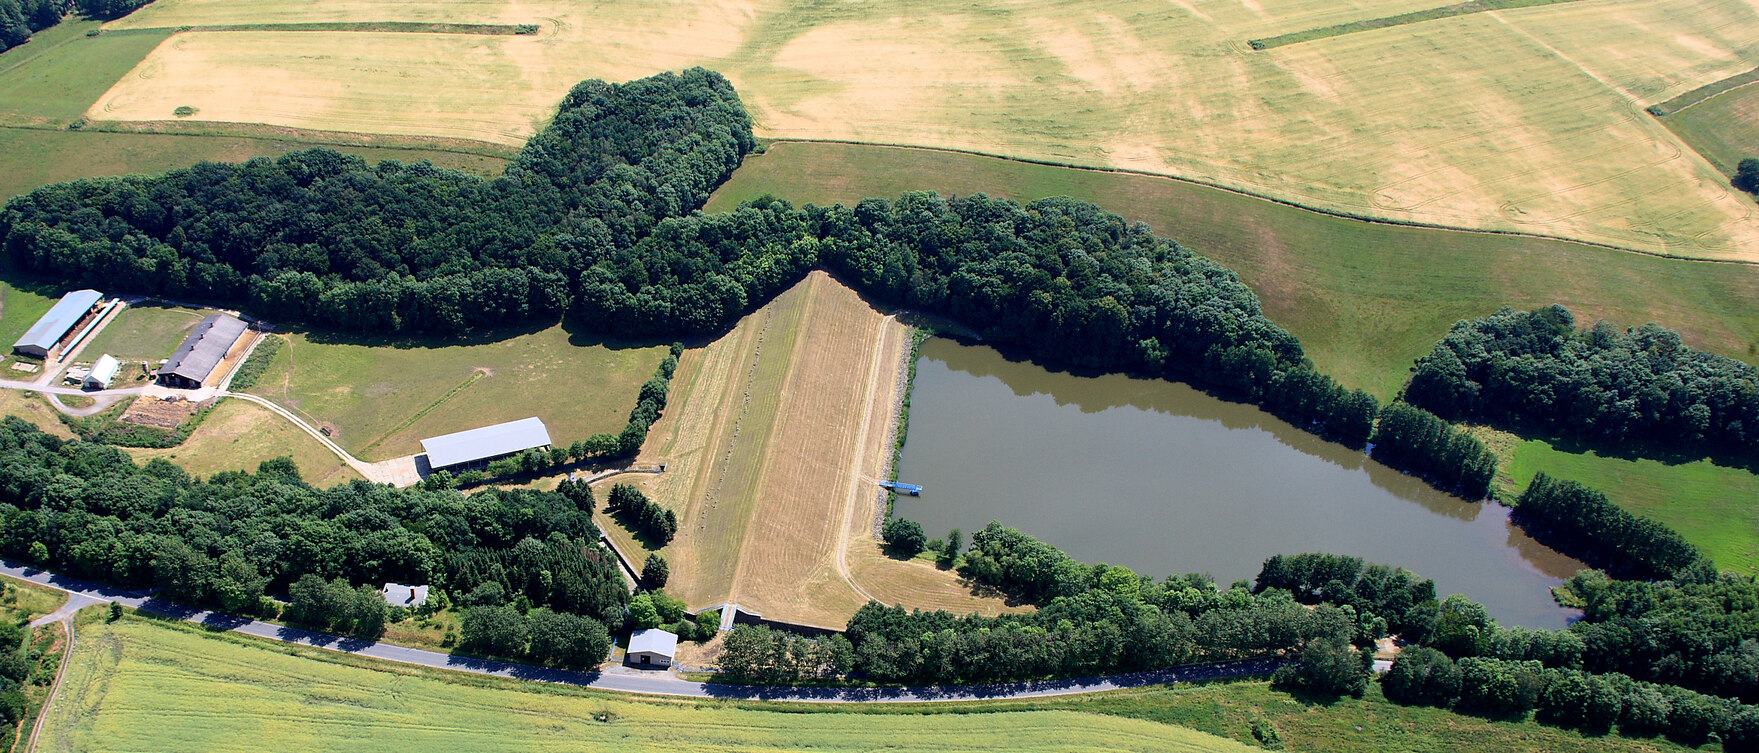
{"x": 486, "y": 442}
{"x": 653, "y": 640}
{"x": 59, "y": 319}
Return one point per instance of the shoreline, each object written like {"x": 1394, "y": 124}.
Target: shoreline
{"x": 899, "y": 425}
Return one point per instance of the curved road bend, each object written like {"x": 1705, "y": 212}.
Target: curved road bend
{"x": 628, "y": 680}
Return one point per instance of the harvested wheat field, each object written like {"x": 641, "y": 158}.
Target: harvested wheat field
{"x": 775, "y": 436}
{"x": 1525, "y": 120}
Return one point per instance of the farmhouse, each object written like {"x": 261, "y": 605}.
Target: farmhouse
{"x": 652, "y": 647}
{"x": 204, "y": 349}
{"x": 399, "y": 595}
{"x": 478, "y": 447}
{"x": 103, "y": 373}
{"x": 60, "y": 319}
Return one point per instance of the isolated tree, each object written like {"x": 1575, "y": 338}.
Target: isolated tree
{"x": 370, "y": 613}
{"x": 642, "y": 614}
{"x": 905, "y": 536}
{"x": 1747, "y": 175}
{"x": 655, "y": 572}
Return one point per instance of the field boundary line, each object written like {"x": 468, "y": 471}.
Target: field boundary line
{"x": 1268, "y": 199}
{"x": 851, "y": 498}
{"x": 65, "y": 623}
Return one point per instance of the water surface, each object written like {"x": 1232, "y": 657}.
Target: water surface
{"x": 1163, "y": 479}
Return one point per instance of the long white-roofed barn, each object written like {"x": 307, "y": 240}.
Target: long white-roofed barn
{"x": 478, "y": 447}
{"x": 54, "y": 325}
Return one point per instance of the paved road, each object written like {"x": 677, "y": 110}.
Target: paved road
{"x": 625, "y": 679}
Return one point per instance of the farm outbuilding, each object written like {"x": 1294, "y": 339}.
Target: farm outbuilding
{"x": 203, "y": 350}
{"x": 478, "y": 447}
{"x": 400, "y": 595}
{"x": 103, "y": 373}
{"x": 54, "y": 325}
{"x": 652, "y": 647}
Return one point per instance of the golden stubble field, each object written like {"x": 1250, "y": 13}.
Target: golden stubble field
{"x": 1524, "y": 120}
{"x": 775, "y": 435}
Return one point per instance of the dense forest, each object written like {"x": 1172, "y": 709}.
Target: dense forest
{"x": 1535, "y": 370}
{"x": 88, "y": 510}
{"x": 19, "y": 19}
{"x": 595, "y": 218}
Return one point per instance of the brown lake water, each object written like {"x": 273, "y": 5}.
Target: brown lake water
{"x": 1162, "y": 478}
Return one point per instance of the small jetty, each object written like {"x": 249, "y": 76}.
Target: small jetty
{"x": 902, "y": 488}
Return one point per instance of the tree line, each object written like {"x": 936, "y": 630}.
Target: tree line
{"x": 641, "y": 514}
{"x": 1593, "y": 703}
{"x": 1420, "y": 443}
{"x": 88, "y": 510}
{"x": 1583, "y": 523}
{"x": 1535, "y": 370}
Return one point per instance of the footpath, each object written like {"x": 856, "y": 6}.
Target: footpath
{"x": 623, "y": 679}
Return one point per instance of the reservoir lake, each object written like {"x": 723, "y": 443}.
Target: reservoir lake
{"x": 1164, "y": 479}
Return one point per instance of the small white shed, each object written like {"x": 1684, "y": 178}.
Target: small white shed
{"x": 652, "y": 647}
{"x": 103, "y": 372}
{"x": 410, "y": 597}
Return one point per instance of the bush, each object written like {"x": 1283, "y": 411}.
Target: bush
{"x": 905, "y": 537}
{"x": 655, "y": 572}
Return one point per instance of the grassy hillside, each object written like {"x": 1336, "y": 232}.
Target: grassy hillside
{"x": 1366, "y": 299}
{"x": 1724, "y": 128}
{"x": 32, "y": 157}
{"x": 1711, "y": 505}
{"x": 238, "y": 436}
{"x": 136, "y": 685}
{"x": 60, "y": 72}
{"x": 379, "y": 398}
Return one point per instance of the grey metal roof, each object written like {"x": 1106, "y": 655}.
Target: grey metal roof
{"x": 202, "y": 350}
{"x": 400, "y": 595}
{"x": 486, "y": 442}
{"x": 653, "y": 640}
{"x": 59, "y": 319}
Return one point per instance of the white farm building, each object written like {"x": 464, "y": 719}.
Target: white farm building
{"x": 478, "y": 447}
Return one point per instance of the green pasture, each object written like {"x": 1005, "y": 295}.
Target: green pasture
{"x": 1724, "y": 128}
{"x": 1366, "y": 299}
{"x": 239, "y": 436}
{"x": 60, "y": 72}
{"x": 24, "y": 600}
{"x": 145, "y": 332}
{"x": 32, "y": 157}
{"x": 1711, "y": 505}
{"x": 136, "y": 685}
{"x": 21, "y": 307}
{"x": 147, "y": 685}
{"x": 379, "y": 398}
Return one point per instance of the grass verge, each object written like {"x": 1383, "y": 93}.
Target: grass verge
{"x": 139, "y": 685}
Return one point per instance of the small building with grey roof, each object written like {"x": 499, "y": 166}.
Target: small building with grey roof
{"x": 203, "y": 350}
{"x": 652, "y": 647}
{"x": 479, "y": 447}
{"x": 54, "y": 325}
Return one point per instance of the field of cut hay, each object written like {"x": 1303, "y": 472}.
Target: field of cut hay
{"x": 379, "y": 399}
{"x": 136, "y": 685}
{"x": 1523, "y": 120}
{"x": 238, "y": 436}
{"x": 775, "y": 435}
